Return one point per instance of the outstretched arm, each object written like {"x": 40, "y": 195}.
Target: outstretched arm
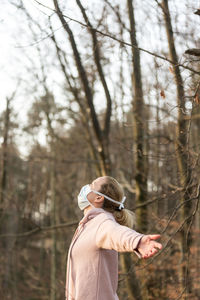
{"x": 111, "y": 235}
{"x": 147, "y": 246}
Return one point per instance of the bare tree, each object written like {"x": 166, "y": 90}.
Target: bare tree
{"x": 139, "y": 125}
{"x": 4, "y": 151}
{"x": 102, "y": 135}
{"x": 181, "y": 146}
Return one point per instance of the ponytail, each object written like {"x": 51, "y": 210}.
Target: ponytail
{"x": 125, "y": 217}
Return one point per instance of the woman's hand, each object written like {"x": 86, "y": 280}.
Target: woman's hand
{"x": 147, "y": 247}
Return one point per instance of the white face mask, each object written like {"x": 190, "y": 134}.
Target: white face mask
{"x": 82, "y": 197}
{"x": 83, "y": 200}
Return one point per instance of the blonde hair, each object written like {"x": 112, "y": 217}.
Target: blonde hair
{"x": 114, "y": 190}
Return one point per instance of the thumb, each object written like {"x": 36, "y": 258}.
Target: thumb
{"x": 154, "y": 236}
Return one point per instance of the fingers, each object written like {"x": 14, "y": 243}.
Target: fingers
{"x": 155, "y": 237}
{"x": 152, "y": 248}
{"x": 150, "y": 253}
{"x": 158, "y": 245}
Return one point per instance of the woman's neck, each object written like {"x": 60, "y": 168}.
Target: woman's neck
{"x": 87, "y": 209}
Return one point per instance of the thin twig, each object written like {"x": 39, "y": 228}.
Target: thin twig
{"x": 37, "y": 230}
{"x": 121, "y": 41}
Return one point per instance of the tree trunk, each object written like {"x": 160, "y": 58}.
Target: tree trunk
{"x": 132, "y": 282}
{"x": 97, "y": 59}
{"x": 102, "y": 135}
{"x": 140, "y": 157}
{"x": 159, "y": 204}
{"x": 75, "y": 92}
{"x": 8, "y": 210}
{"x": 181, "y": 148}
{"x": 53, "y": 235}
{"x": 4, "y": 153}
{"x": 141, "y": 163}
{"x": 53, "y": 213}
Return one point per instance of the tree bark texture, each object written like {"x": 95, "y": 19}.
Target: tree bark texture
{"x": 54, "y": 238}
{"x": 140, "y": 144}
{"x": 181, "y": 145}
{"x": 4, "y": 153}
{"x": 132, "y": 282}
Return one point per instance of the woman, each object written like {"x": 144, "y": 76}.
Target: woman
{"x": 105, "y": 230}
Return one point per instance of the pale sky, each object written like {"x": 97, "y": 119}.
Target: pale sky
{"x": 15, "y": 43}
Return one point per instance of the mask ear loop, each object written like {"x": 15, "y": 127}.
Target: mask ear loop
{"x": 121, "y": 204}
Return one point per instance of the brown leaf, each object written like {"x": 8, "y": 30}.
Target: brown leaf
{"x": 197, "y": 99}
{"x": 162, "y": 94}
{"x": 171, "y": 70}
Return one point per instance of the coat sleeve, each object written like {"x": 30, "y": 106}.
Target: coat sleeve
{"x": 113, "y": 236}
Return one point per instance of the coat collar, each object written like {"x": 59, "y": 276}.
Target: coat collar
{"x": 92, "y": 213}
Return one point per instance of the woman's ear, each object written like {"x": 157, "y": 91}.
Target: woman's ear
{"x": 99, "y": 199}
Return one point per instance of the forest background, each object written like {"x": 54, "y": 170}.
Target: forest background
{"x": 88, "y": 89}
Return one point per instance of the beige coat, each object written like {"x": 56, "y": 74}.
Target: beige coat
{"x": 92, "y": 268}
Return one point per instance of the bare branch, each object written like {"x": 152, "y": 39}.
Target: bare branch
{"x": 125, "y": 43}
{"x": 97, "y": 58}
{"x": 37, "y": 230}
